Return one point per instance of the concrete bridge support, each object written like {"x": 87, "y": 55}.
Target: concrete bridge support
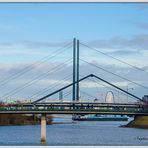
{"x": 43, "y": 128}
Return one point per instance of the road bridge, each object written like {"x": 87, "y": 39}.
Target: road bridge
{"x": 75, "y": 108}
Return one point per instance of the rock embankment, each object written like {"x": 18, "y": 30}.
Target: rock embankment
{"x": 22, "y": 119}
{"x": 138, "y": 122}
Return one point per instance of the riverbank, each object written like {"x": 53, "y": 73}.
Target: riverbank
{"x": 22, "y": 119}
{"x": 138, "y": 122}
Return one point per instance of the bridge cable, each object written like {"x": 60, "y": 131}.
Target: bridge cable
{"x": 14, "y": 91}
{"x": 90, "y": 75}
{"x": 47, "y": 88}
{"x": 69, "y": 85}
{"x": 33, "y": 81}
{"x": 111, "y": 88}
{"x": 93, "y": 80}
{"x": 88, "y": 94}
{"x": 133, "y": 66}
{"x": 95, "y": 87}
{"x": 30, "y": 67}
{"x": 114, "y": 74}
{"x": 67, "y": 93}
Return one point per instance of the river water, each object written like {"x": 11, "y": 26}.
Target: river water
{"x": 79, "y": 133}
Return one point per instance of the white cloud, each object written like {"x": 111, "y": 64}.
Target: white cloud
{"x": 56, "y": 77}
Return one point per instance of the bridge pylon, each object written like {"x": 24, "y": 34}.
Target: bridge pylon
{"x": 75, "y": 96}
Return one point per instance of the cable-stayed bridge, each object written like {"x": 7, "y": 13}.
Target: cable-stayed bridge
{"x": 74, "y": 105}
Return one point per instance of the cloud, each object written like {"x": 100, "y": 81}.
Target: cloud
{"x": 139, "y": 41}
{"x": 142, "y": 25}
{"x": 126, "y": 72}
{"x": 142, "y": 6}
{"x": 48, "y": 80}
{"x": 7, "y": 28}
{"x": 38, "y": 44}
{"x": 114, "y": 46}
{"x": 32, "y": 44}
{"x": 123, "y": 52}
{"x": 122, "y": 45}
{"x": 26, "y": 51}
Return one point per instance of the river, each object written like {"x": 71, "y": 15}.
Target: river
{"x": 79, "y": 133}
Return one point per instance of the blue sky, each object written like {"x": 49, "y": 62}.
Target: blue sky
{"x": 30, "y": 31}
{"x": 62, "y": 21}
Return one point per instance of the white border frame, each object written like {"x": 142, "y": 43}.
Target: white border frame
{"x": 73, "y": 1}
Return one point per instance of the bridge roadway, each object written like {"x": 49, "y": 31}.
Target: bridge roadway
{"x": 75, "y": 108}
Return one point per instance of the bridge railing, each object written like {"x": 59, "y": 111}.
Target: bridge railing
{"x": 76, "y": 106}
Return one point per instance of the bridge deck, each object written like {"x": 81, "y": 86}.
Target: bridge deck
{"x": 75, "y": 108}
{"x": 72, "y": 112}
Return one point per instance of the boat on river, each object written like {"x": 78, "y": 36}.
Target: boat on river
{"x": 100, "y": 118}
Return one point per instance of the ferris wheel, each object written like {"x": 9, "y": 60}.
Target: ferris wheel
{"x": 109, "y": 98}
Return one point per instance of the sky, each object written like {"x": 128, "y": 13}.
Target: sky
{"x": 31, "y": 31}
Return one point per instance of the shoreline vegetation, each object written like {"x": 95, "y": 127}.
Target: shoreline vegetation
{"x": 26, "y": 119}
{"x": 22, "y": 119}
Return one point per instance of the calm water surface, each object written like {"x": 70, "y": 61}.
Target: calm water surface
{"x": 77, "y": 133}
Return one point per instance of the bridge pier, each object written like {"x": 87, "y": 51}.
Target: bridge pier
{"x": 43, "y": 128}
